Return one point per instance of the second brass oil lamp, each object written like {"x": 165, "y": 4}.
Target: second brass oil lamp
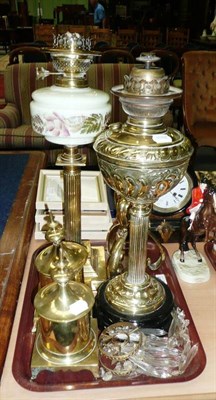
{"x": 140, "y": 160}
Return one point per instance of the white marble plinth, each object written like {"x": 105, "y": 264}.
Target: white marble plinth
{"x": 191, "y": 270}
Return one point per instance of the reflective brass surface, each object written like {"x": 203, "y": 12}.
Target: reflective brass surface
{"x": 63, "y": 302}
{"x": 148, "y": 74}
{"x": 63, "y": 308}
{"x": 74, "y": 257}
{"x": 43, "y": 359}
{"x": 132, "y": 299}
{"x": 142, "y": 172}
{"x": 71, "y": 56}
{"x": 141, "y": 160}
{"x": 54, "y": 230}
{"x": 72, "y": 160}
{"x": 70, "y": 156}
{"x": 94, "y": 270}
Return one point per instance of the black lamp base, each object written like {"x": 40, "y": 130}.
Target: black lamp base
{"x": 107, "y": 315}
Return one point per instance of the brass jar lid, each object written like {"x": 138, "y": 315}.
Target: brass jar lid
{"x": 78, "y": 301}
{"x": 74, "y": 257}
{"x": 63, "y": 300}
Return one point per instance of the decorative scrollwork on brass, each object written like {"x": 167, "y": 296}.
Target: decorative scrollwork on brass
{"x": 142, "y": 86}
{"x": 144, "y": 154}
{"x": 139, "y": 185}
{"x": 73, "y": 41}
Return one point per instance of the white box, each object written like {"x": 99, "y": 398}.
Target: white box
{"x": 50, "y": 191}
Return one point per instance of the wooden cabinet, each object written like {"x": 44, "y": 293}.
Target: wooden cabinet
{"x": 44, "y": 32}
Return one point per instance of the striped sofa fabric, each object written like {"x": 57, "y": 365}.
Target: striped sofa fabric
{"x": 20, "y": 82}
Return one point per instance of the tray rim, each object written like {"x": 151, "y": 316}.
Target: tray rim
{"x": 26, "y": 382}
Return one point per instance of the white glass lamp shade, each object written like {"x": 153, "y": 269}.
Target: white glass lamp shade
{"x": 69, "y": 116}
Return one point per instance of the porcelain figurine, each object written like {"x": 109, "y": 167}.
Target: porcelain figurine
{"x": 190, "y": 265}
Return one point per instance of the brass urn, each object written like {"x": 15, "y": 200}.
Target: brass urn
{"x": 141, "y": 160}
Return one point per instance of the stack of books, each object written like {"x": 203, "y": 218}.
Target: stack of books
{"x": 95, "y": 211}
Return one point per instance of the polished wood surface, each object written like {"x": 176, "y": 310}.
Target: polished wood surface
{"x": 14, "y": 246}
{"x": 211, "y": 253}
{"x": 201, "y": 299}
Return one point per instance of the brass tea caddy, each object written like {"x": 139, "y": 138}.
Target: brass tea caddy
{"x": 140, "y": 160}
{"x": 66, "y": 336}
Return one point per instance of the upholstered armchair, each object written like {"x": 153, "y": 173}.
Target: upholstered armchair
{"x": 199, "y": 96}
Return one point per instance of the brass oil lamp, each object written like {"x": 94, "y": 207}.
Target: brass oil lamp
{"x": 140, "y": 160}
{"x": 71, "y": 114}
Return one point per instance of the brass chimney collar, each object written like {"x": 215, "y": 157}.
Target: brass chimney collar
{"x": 147, "y": 80}
{"x": 72, "y": 56}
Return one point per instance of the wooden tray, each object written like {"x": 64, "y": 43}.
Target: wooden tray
{"x": 15, "y": 240}
{"x": 211, "y": 255}
{"x": 48, "y": 381}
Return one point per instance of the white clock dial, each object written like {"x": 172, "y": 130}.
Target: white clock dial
{"x": 176, "y": 198}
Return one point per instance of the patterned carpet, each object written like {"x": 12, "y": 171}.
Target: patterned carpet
{"x": 12, "y": 167}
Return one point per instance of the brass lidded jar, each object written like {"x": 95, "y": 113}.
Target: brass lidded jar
{"x": 64, "y": 310}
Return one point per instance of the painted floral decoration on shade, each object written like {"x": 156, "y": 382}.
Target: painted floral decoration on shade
{"x": 58, "y": 125}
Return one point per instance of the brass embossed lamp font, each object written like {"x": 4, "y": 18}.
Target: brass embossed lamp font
{"x": 141, "y": 160}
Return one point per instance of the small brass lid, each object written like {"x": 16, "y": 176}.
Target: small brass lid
{"x": 142, "y": 73}
{"x": 63, "y": 300}
{"x": 74, "y": 256}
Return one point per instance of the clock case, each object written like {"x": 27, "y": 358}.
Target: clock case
{"x": 172, "y": 219}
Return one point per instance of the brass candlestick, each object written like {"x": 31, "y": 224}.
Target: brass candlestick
{"x": 141, "y": 160}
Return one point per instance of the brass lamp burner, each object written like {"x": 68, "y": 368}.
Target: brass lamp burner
{"x": 141, "y": 160}
{"x": 147, "y": 81}
{"x": 72, "y": 56}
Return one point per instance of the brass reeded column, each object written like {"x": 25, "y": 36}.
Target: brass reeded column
{"x": 72, "y": 160}
{"x": 72, "y": 207}
{"x": 139, "y": 221}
